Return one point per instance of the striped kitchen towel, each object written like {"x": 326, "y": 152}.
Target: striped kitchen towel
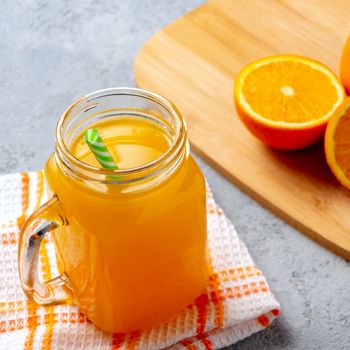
{"x": 237, "y": 303}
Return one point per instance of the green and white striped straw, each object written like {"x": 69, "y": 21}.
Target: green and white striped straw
{"x": 99, "y": 150}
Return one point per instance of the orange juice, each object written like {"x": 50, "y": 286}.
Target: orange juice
{"x": 134, "y": 251}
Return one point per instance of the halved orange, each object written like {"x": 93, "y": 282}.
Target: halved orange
{"x": 345, "y": 66}
{"x": 337, "y": 143}
{"x": 286, "y": 101}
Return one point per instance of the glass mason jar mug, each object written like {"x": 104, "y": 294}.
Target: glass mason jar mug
{"x": 130, "y": 243}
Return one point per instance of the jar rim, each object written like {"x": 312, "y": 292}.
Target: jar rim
{"x": 73, "y": 163}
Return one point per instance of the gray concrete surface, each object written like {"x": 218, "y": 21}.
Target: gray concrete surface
{"x": 52, "y": 52}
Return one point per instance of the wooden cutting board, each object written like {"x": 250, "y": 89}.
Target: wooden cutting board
{"x": 194, "y": 61}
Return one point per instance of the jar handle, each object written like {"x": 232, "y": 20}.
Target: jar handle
{"x": 46, "y": 219}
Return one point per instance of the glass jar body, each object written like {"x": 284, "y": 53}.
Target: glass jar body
{"x": 133, "y": 259}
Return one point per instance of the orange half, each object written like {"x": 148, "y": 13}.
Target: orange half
{"x": 286, "y": 101}
{"x": 337, "y": 144}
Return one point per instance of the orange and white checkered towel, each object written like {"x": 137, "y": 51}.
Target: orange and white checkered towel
{"x": 237, "y": 303}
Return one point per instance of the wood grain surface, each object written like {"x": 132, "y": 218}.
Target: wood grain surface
{"x": 194, "y": 61}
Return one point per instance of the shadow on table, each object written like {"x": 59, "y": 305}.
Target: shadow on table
{"x": 276, "y": 336}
